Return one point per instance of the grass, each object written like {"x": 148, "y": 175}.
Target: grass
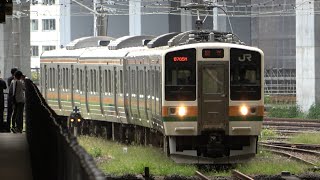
{"x": 268, "y": 164}
{"x": 118, "y": 159}
{"x": 306, "y": 138}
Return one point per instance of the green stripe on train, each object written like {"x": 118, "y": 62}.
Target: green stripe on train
{"x": 171, "y": 119}
{"x": 244, "y": 118}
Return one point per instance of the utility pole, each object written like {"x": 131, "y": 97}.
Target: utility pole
{"x": 215, "y": 16}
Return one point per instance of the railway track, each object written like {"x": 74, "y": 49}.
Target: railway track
{"x": 292, "y": 126}
{"x": 202, "y": 176}
{"x": 314, "y": 147}
{"x": 299, "y": 152}
{"x": 238, "y": 175}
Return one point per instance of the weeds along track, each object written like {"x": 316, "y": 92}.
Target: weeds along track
{"x": 306, "y": 153}
{"x": 291, "y": 126}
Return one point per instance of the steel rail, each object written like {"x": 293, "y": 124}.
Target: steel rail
{"x": 266, "y": 119}
{"x": 296, "y": 145}
{"x": 238, "y": 175}
{"x": 202, "y": 176}
{"x": 292, "y": 156}
{"x": 294, "y": 149}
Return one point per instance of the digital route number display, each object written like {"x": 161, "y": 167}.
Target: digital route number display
{"x": 213, "y": 53}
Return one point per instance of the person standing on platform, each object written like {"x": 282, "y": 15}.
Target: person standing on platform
{"x": 9, "y": 101}
{"x": 3, "y": 86}
{"x": 18, "y": 100}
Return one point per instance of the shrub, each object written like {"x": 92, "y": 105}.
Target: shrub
{"x": 285, "y": 112}
{"x": 314, "y": 112}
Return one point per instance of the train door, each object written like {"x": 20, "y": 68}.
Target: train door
{"x": 213, "y": 94}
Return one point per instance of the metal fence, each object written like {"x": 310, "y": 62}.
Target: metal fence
{"x": 55, "y": 153}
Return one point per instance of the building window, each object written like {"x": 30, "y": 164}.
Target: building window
{"x": 34, "y": 24}
{"x": 34, "y": 51}
{"x": 48, "y": 2}
{"x": 48, "y": 24}
{"x": 48, "y": 48}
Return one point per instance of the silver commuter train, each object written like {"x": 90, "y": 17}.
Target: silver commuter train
{"x": 205, "y": 95}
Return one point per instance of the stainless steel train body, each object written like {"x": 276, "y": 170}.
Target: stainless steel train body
{"x": 206, "y": 98}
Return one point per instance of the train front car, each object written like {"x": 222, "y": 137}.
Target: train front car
{"x": 212, "y": 102}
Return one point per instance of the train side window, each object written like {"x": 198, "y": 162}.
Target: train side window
{"x": 129, "y": 82}
{"x": 86, "y": 76}
{"x": 53, "y": 79}
{"x": 133, "y": 82}
{"x": 148, "y": 84}
{"x": 91, "y": 80}
{"x": 109, "y": 81}
{"x": 63, "y": 78}
{"x": 100, "y": 84}
{"x": 141, "y": 83}
{"x": 105, "y": 81}
{"x": 67, "y": 79}
{"x": 77, "y": 82}
{"x": 95, "y": 80}
{"x": 121, "y": 82}
{"x": 72, "y": 78}
{"x": 145, "y": 82}
{"x": 81, "y": 81}
{"x": 50, "y": 78}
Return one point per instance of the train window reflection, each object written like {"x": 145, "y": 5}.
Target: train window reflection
{"x": 180, "y": 77}
{"x": 213, "y": 80}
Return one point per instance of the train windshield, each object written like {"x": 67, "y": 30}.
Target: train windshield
{"x": 180, "y": 75}
{"x": 245, "y": 75}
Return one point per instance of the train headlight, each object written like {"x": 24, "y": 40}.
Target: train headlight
{"x": 79, "y": 120}
{"x": 182, "y": 111}
{"x": 71, "y": 119}
{"x": 244, "y": 110}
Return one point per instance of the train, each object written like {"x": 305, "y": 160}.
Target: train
{"x": 203, "y": 91}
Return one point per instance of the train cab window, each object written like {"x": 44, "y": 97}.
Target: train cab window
{"x": 180, "y": 75}
{"x": 245, "y": 75}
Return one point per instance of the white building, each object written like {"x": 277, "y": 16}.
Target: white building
{"x": 49, "y": 27}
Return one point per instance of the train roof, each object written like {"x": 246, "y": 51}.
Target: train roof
{"x": 131, "y": 46}
{"x": 103, "y": 52}
{"x": 62, "y": 53}
{"x": 92, "y": 41}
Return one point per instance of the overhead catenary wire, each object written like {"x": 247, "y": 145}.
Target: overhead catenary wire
{"x": 162, "y": 7}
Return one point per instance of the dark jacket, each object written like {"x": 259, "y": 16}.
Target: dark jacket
{"x": 10, "y": 94}
{"x": 2, "y": 87}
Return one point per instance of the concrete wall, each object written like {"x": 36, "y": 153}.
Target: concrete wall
{"x": 118, "y": 26}
{"x": 15, "y": 42}
{"x": 307, "y": 49}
